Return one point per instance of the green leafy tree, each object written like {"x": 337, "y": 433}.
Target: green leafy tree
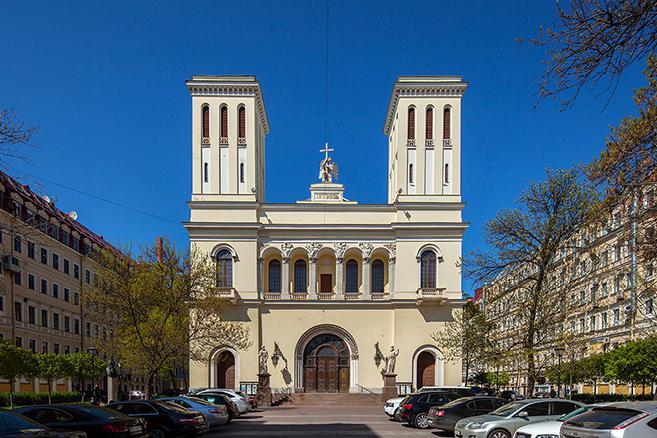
{"x": 490, "y": 378}
{"x": 633, "y": 362}
{"x": 84, "y": 367}
{"x": 15, "y": 363}
{"x": 51, "y": 367}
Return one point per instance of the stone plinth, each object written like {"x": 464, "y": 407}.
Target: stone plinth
{"x": 327, "y": 193}
{"x": 389, "y": 386}
{"x": 264, "y": 390}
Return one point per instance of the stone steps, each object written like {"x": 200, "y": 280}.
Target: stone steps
{"x": 344, "y": 399}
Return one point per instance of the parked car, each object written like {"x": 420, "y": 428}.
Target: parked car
{"x": 504, "y": 421}
{"x": 463, "y": 391}
{"x": 136, "y": 395}
{"x": 240, "y": 399}
{"x": 220, "y": 399}
{"x": 615, "y": 420}
{"x": 511, "y": 395}
{"x": 551, "y": 428}
{"x": 415, "y": 407}
{"x": 95, "y": 421}
{"x": 445, "y": 417}
{"x": 479, "y": 390}
{"x": 217, "y": 415}
{"x": 391, "y": 407}
{"x": 164, "y": 419}
{"x": 17, "y": 425}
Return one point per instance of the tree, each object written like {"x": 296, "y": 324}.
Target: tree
{"x": 15, "y": 362}
{"x": 633, "y": 362}
{"x": 523, "y": 244}
{"x": 84, "y": 366}
{"x": 464, "y": 337}
{"x": 161, "y": 309}
{"x": 490, "y": 378}
{"x": 595, "y": 40}
{"x": 13, "y": 133}
{"x": 51, "y": 366}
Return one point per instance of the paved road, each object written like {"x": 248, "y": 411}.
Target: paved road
{"x": 324, "y": 421}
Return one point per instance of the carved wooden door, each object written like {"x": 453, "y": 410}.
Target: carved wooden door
{"x": 332, "y": 374}
{"x": 426, "y": 369}
{"x": 309, "y": 379}
{"x": 343, "y": 376}
{"x": 322, "y": 374}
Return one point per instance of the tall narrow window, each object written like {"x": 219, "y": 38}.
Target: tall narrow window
{"x": 206, "y": 121}
{"x": 205, "y": 172}
{"x": 352, "y": 277}
{"x": 241, "y": 172}
{"x": 429, "y": 127}
{"x": 242, "y": 122}
{"x": 428, "y": 270}
{"x": 411, "y": 177}
{"x": 411, "y": 123}
{"x": 224, "y": 121}
{"x": 446, "y": 173}
{"x": 447, "y": 124}
{"x": 377, "y": 276}
{"x": 274, "y": 276}
{"x": 300, "y": 276}
{"x": 224, "y": 268}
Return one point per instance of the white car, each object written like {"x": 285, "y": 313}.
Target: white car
{"x": 391, "y": 408}
{"x": 241, "y": 400}
{"x": 550, "y": 428}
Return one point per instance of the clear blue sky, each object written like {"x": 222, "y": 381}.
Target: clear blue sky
{"x": 104, "y": 81}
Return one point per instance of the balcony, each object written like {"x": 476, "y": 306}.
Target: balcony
{"x": 431, "y": 294}
{"x": 273, "y": 296}
{"x": 298, "y": 296}
{"x": 326, "y": 296}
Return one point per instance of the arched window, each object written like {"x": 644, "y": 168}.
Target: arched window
{"x": 377, "y": 276}
{"x": 224, "y": 268}
{"x": 242, "y": 122}
{"x": 411, "y": 177}
{"x": 447, "y": 124}
{"x": 429, "y": 124}
{"x": 300, "y": 276}
{"x": 205, "y": 172}
{"x": 411, "y": 123}
{"x": 274, "y": 276}
{"x": 446, "y": 173}
{"x": 428, "y": 270}
{"x": 205, "y": 122}
{"x": 224, "y": 121}
{"x": 241, "y": 172}
{"x": 352, "y": 277}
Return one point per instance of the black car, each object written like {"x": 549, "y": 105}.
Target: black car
{"x": 219, "y": 399}
{"x": 415, "y": 407}
{"x": 94, "y": 420}
{"x": 17, "y": 425}
{"x": 445, "y": 417}
{"x": 164, "y": 419}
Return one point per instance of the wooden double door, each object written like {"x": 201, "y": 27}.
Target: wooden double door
{"x": 326, "y": 370}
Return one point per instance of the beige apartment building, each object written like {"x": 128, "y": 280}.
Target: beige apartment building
{"x": 325, "y": 283}
{"x": 605, "y": 289}
{"x": 47, "y": 262}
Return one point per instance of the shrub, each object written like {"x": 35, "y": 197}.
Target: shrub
{"x": 602, "y": 398}
{"x": 37, "y": 398}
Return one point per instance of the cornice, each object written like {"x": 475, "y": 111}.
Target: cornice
{"x": 245, "y": 86}
{"x": 422, "y": 86}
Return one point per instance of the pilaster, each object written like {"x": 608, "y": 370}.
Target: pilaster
{"x": 391, "y": 277}
{"x": 261, "y": 277}
{"x": 312, "y": 279}
{"x": 339, "y": 278}
{"x": 285, "y": 278}
{"x": 367, "y": 284}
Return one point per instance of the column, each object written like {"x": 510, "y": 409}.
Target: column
{"x": 339, "y": 278}
{"x": 312, "y": 279}
{"x": 391, "y": 277}
{"x": 261, "y": 278}
{"x": 285, "y": 278}
{"x": 367, "y": 286}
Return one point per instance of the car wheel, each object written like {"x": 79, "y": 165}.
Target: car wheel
{"x": 397, "y": 415}
{"x": 157, "y": 433}
{"x": 420, "y": 421}
{"x": 499, "y": 433}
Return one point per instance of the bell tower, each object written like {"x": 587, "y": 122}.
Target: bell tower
{"x": 229, "y": 125}
{"x": 423, "y": 126}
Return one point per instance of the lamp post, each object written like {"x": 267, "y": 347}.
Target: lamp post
{"x": 559, "y": 352}
{"x": 92, "y": 352}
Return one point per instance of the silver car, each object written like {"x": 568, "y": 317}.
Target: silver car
{"x": 616, "y": 420}
{"x": 504, "y": 421}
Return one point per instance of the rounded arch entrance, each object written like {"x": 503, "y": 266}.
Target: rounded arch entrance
{"x": 427, "y": 367}
{"x": 326, "y": 360}
{"x": 224, "y": 368}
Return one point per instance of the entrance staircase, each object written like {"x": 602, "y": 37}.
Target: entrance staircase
{"x": 342, "y": 399}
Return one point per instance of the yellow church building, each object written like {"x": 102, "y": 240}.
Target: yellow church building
{"x": 324, "y": 284}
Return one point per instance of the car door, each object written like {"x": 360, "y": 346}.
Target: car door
{"x": 51, "y": 417}
{"x": 560, "y": 408}
{"x": 483, "y": 406}
{"x": 539, "y": 411}
{"x": 436, "y": 399}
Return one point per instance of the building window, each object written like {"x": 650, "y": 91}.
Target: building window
{"x": 55, "y": 261}
{"x": 649, "y": 306}
{"x": 429, "y": 124}
{"x": 30, "y": 249}
{"x": 32, "y": 344}
{"x": 428, "y": 270}
{"x": 67, "y": 323}
{"x": 88, "y": 329}
{"x": 2, "y": 304}
{"x": 603, "y": 320}
{"x": 275, "y": 276}
{"x": 76, "y": 271}
{"x": 67, "y": 349}
{"x": 242, "y": 122}
{"x": 87, "y": 276}
{"x": 75, "y": 243}
{"x": 446, "y": 173}
{"x": 44, "y": 318}
{"x": 205, "y": 123}
{"x": 224, "y": 121}
{"x": 224, "y": 268}
{"x": 67, "y": 294}
{"x": 18, "y": 311}
{"x": 44, "y": 256}
{"x": 67, "y": 267}
{"x": 352, "y": 276}
{"x": 76, "y": 326}
{"x": 447, "y": 124}
{"x": 76, "y": 298}
{"x": 300, "y": 276}
{"x": 205, "y": 172}
{"x": 19, "y": 342}
{"x": 411, "y": 177}
{"x": 55, "y": 290}
{"x": 18, "y": 244}
{"x": 18, "y": 278}
{"x": 616, "y": 316}
{"x": 44, "y": 286}
{"x": 55, "y": 321}
{"x": 55, "y": 348}
{"x": 377, "y": 276}
{"x": 241, "y": 172}
{"x": 411, "y": 123}
{"x": 44, "y": 347}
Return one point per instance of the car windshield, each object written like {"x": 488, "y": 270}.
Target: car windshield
{"x": 100, "y": 412}
{"x": 574, "y": 413}
{"x": 15, "y": 423}
{"x": 454, "y": 403}
{"x": 171, "y": 406}
{"x": 603, "y": 418}
{"x": 200, "y": 401}
{"x": 505, "y": 410}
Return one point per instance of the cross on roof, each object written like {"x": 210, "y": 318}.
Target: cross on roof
{"x": 326, "y": 150}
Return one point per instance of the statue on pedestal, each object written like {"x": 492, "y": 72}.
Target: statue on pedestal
{"x": 328, "y": 169}
{"x": 263, "y": 356}
{"x": 391, "y": 360}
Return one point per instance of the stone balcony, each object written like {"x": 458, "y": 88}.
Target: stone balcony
{"x": 323, "y": 296}
{"x": 433, "y": 295}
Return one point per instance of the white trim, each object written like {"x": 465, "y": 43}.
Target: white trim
{"x": 439, "y": 372}
{"x": 212, "y": 378}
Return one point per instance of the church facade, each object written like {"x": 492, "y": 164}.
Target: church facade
{"x": 328, "y": 286}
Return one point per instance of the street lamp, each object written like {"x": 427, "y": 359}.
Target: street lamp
{"x": 92, "y": 352}
{"x": 559, "y": 352}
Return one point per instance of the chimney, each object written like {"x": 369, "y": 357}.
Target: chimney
{"x": 158, "y": 252}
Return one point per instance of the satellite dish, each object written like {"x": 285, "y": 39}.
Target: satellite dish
{"x": 73, "y": 215}
{"x": 46, "y": 198}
